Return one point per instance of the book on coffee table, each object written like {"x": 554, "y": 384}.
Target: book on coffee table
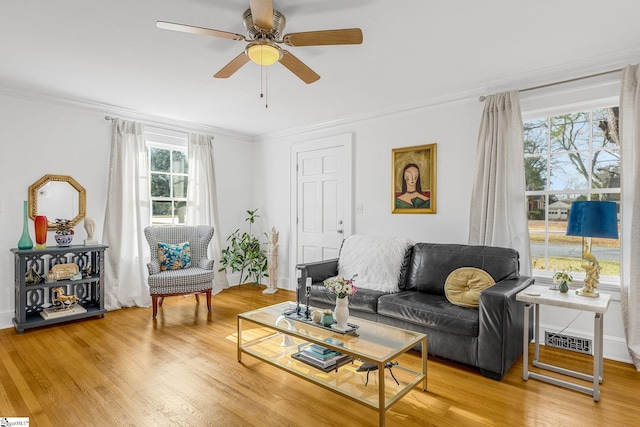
{"x": 325, "y": 365}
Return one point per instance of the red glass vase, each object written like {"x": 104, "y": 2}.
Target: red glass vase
{"x": 42, "y": 226}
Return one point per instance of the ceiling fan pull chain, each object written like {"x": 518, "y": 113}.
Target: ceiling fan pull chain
{"x": 266, "y": 87}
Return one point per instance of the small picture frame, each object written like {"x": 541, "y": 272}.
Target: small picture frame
{"x": 414, "y": 180}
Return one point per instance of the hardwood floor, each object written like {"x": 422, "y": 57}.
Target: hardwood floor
{"x": 182, "y": 370}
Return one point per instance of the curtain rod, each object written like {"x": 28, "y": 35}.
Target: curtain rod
{"x": 113, "y": 119}
{"x": 604, "y": 73}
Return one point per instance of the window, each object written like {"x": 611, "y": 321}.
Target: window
{"x": 569, "y": 157}
{"x": 168, "y": 170}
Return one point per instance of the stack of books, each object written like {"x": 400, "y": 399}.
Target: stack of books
{"x": 322, "y": 357}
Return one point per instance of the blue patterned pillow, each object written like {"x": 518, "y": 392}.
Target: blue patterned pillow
{"x": 174, "y": 257}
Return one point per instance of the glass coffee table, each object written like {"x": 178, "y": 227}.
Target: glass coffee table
{"x": 270, "y": 336}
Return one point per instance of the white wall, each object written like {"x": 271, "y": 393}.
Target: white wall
{"x": 452, "y": 126}
{"x": 37, "y": 140}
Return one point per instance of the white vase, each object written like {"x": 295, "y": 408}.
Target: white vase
{"x": 341, "y": 313}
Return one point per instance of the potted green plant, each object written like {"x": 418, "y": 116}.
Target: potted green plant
{"x": 245, "y": 255}
{"x": 562, "y": 280}
{"x": 64, "y": 232}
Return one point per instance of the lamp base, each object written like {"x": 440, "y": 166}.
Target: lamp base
{"x": 584, "y": 292}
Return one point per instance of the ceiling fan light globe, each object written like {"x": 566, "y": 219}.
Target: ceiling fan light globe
{"x": 263, "y": 54}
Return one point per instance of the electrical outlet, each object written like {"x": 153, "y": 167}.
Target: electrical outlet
{"x": 359, "y": 209}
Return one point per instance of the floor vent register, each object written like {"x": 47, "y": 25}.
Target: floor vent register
{"x": 567, "y": 342}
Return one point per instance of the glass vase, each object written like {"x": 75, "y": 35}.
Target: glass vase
{"x": 41, "y": 225}
{"x": 25, "y": 241}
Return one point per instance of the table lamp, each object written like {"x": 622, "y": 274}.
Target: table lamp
{"x": 592, "y": 219}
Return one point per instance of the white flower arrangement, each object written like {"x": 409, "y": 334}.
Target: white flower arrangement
{"x": 341, "y": 287}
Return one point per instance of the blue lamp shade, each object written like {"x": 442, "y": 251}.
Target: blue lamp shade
{"x": 593, "y": 219}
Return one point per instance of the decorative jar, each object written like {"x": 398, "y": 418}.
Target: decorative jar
{"x": 64, "y": 239}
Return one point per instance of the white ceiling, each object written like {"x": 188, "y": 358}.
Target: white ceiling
{"x": 414, "y": 53}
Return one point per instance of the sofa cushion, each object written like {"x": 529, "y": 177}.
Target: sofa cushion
{"x": 431, "y": 311}
{"x": 431, "y": 264}
{"x": 377, "y": 261}
{"x": 365, "y": 300}
{"x": 463, "y": 286}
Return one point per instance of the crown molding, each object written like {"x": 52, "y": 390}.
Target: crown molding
{"x": 100, "y": 109}
{"x": 533, "y": 78}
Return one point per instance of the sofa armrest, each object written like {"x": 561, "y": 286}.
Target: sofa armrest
{"x": 501, "y": 324}
{"x": 318, "y": 271}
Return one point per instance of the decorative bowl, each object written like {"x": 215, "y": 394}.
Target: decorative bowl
{"x": 63, "y": 239}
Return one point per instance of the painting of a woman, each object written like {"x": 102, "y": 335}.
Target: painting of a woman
{"x": 414, "y": 179}
{"x": 412, "y": 195}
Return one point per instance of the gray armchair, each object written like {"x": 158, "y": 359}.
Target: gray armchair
{"x": 197, "y": 278}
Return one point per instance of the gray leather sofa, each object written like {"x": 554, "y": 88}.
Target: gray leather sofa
{"x": 488, "y": 337}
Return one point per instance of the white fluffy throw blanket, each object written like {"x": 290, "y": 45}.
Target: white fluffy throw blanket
{"x": 376, "y": 260}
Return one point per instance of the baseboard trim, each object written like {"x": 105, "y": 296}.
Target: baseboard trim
{"x": 6, "y": 319}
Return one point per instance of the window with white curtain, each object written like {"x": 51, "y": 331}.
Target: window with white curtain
{"x": 168, "y": 175}
{"x": 572, "y": 152}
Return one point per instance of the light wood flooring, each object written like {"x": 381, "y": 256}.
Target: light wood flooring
{"x": 182, "y": 370}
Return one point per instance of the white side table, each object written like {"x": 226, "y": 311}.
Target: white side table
{"x": 536, "y": 295}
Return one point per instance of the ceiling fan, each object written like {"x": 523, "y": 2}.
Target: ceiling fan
{"x": 264, "y": 33}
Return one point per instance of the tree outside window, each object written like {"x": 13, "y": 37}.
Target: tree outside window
{"x": 168, "y": 176}
{"x": 569, "y": 157}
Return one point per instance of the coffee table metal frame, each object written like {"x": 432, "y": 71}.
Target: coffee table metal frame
{"x": 373, "y": 342}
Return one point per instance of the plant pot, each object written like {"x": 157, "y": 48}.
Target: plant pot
{"x": 64, "y": 239}
{"x": 563, "y": 287}
{"x": 327, "y": 319}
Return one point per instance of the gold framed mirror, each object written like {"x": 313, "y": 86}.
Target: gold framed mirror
{"x": 57, "y": 196}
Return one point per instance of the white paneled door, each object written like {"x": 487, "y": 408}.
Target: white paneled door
{"x": 323, "y": 198}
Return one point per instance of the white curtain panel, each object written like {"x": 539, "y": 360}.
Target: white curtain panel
{"x": 498, "y": 214}
{"x": 630, "y": 209}
{"x": 202, "y": 204}
{"x": 127, "y": 214}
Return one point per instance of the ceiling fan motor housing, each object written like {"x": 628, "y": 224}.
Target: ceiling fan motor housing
{"x": 254, "y": 32}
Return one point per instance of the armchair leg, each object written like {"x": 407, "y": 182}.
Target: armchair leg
{"x": 198, "y": 298}
{"x": 154, "y": 303}
{"x": 208, "y": 296}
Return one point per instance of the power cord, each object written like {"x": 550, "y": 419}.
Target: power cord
{"x": 574, "y": 319}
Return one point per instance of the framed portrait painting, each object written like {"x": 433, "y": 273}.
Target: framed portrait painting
{"x": 414, "y": 179}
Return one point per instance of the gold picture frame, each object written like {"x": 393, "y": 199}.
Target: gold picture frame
{"x": 414, "y": 180}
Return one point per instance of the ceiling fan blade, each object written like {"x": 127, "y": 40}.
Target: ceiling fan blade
{"x": 262, "y": 13}
{"x": 233, "y": 66}
{"x": 298, "y": 67}
{"x": 326, "y": 37}
{"x": 198, "y": 30}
